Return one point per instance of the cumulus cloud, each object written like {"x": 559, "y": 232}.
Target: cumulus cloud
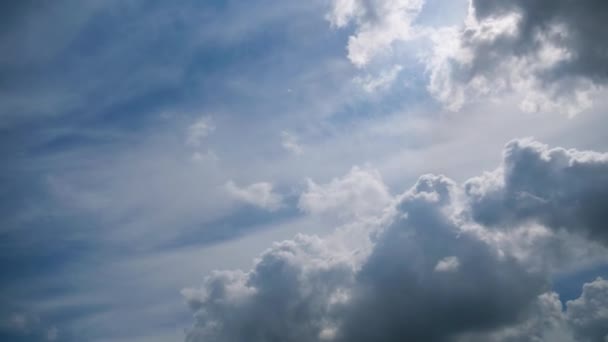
{"x": 547, "y": 51}
{"x": 259, "y": 194}
{"x": 360, "y": 193}
{"x": 584, "y": 319}
{"x": 432, "y": 271}
{"x": 550, "y": 53}
{"x": 556, "y": 187}
{"x": 379, "y": 23}
{"x": 588, "y": 314}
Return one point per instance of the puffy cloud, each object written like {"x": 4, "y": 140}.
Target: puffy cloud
{"x": 435, "y": 268}
{"x": 448, "y": 264}
{"x": 584, "y": 319}
{"x": 588, "y": 314}
{"x": 292, "y": 294}
{"x": 257, "y": 194}
{"x": 379, "y": 23}
{"x": 555, "y": 187}
{"x": 545, "y": 321}
{"x": 360, "y": 193}
{"x": 549, "y": 52}
{"x": 305, "y": 290}
{"x": 399, "y": 295}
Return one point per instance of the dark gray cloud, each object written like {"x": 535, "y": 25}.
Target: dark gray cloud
{"x": 579, "y": 27}
{"x": 401, "y": 294}
{"x": 430, "y": 274}
{"x": 559, "y": 188}
{"x": 550, "y": 52}
{"x": 286, "y": 297}
{"x": 434, "y": 268}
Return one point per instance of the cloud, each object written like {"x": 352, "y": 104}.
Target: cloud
{"x": 448, "y": 264}
{"x": 588, "y": 314}
{"x": 257, "y": 194}
{"x": 360, "y": 193}
{"x": 550, "y": 53}
{"x": 584, "y": 319}
{"x": 546, "y": 51}
{"x": 305, "y": 290}
{"x": 378, "y": 25}
{"x": 555, "y": 187}
{"x": 434, "y": 268}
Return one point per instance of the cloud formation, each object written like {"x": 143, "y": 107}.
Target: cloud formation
{"x": 555, "y": 187}
{"x": 550, "y": 53}
{"x": 588, "y": 314}
{"x": 360, "y": 193}
{"x": 257, "y": 194}
{"x": 435, "y": 267}
{"x": 379, "y": 24}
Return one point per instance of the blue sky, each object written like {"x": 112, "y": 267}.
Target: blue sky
{"x": 147, "y": 144}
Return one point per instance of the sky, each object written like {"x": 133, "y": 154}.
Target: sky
{"x": 304, "y": 171}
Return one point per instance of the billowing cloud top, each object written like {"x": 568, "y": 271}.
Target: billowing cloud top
{"x": 444, "y": 262}
{"x": 551, "y": 53}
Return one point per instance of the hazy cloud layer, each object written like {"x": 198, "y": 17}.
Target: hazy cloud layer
{"x": 435, "y": 268}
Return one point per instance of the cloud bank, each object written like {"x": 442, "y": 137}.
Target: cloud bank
{"x": 443, "y": 261}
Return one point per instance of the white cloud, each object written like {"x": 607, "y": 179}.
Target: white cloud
{"x": 257, "y": 194}
{"x": 448, "y": 264}
{"x": 540, "y": 51}
{"x": 379, "y": 24}
{"x": 305, "y": 289}
{"x": 360, "y": 193}
{"x": 477, "y": 60}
